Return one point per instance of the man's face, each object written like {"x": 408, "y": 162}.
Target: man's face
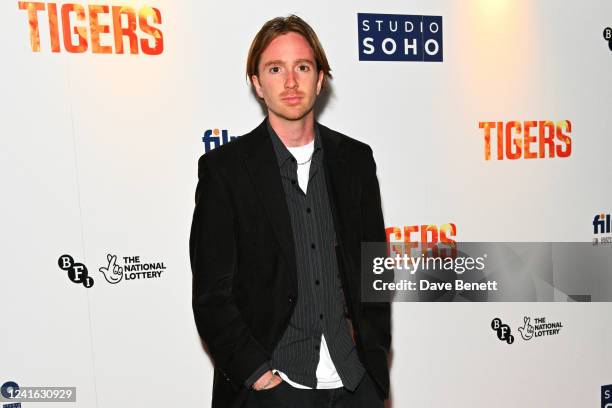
{"x": 288, "y": 80}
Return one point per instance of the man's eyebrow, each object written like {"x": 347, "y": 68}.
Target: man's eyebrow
{"x": 280, "y": 62}
{"x": 305, "y": 60}
{"x": 274, "y": 62}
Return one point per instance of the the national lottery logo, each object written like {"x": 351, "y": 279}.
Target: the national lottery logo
{"x": 114, "y": 270}
{"x": 398, "y": 37}
{"x": 530, "y": 328}
{"x": 214, "y": 138}
{"x": 130, "y": 268}
{"x": 539, "y": 327}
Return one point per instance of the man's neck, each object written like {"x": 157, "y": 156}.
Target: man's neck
{"x": 293, "y": 133}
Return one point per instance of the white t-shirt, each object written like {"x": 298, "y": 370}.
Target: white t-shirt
{"x": 303, "y": 154}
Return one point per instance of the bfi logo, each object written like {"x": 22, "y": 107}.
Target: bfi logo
{"x": 397, "y": 37}
{"x": 214, "y": 138}
{"x": 601, "y": 224}
{"x": 77, "y": 272}
{"x": 503, "y": 331}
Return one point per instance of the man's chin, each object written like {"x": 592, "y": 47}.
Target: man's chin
{"x": 292, "y": 114}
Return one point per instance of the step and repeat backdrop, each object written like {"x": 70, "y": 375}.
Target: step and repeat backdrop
{"x": 490, "y": 121}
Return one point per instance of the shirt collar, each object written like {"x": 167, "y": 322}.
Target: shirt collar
{"x": 282, "y": 153}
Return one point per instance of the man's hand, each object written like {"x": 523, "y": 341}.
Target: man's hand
{"x": 267, "y": 380}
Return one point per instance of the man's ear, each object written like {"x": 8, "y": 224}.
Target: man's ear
{"x": 320, "y": 82}
{"x": 257, "y": 85}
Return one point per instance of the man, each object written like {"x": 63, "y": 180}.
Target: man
{"x": 275, "y": 246}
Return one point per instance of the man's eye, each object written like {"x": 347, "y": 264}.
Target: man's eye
{"x": 275, "y": 70}
{"x": 304, "y": 68}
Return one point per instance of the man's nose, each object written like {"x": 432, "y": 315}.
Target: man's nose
{"x": 291, "y": 80}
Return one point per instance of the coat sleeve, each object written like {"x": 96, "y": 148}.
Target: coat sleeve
{"x": 376, "y": 315}
{"x": 212, "y": 248}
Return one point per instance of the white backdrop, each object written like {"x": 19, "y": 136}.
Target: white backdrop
{"x": 99, "y": 155}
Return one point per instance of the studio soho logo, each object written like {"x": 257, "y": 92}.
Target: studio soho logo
{"x": 128, "y": 268}
{"x": 530, "y": 328}
{"x": 99, "y": 28}
{"x": 607, "y": 34}
{"x": 399, "y": 37}
{"x": 606, "y": 396}
{"x": 602, "y": 230}
{"x": 214, "y": 138}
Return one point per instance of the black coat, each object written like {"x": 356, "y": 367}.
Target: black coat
{"x": 243, "y": 260}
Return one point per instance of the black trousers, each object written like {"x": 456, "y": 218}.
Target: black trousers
{"x": 286, "y": 396}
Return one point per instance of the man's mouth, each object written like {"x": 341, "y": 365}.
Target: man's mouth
{"x": 292, "y": 99}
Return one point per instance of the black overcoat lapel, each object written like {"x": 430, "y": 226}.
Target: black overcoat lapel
{"x": 262, "y": 166}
